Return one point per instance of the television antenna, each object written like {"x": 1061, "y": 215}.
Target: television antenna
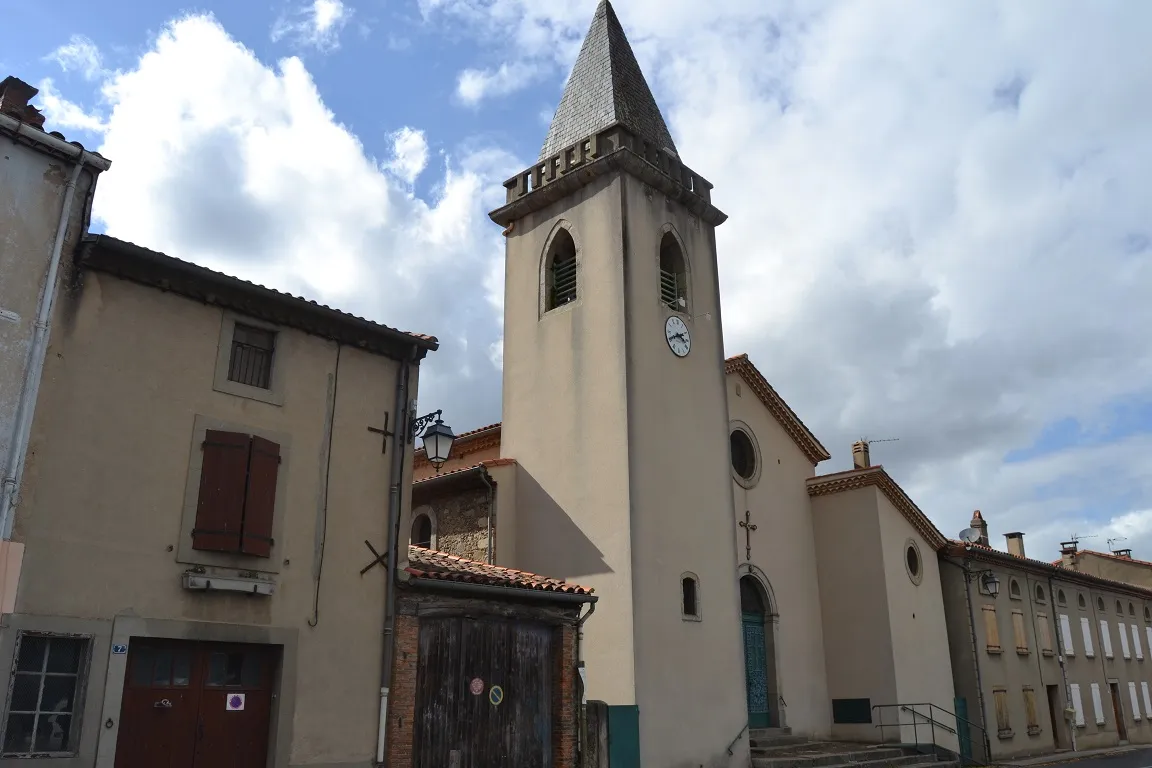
{"x": 1114, "y": 541}
{"x": 1076, "y": 537}
{"x": 866, "y": 441}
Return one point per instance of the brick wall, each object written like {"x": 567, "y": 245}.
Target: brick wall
{"x": 565, "y": 704}
{"x": 402, "y": 694}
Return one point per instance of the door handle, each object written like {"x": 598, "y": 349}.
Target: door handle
{"x": 162, "y": 704}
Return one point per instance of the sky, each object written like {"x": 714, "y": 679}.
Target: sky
{"x": 940, "y": 213}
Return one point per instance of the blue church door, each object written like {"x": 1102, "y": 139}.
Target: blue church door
{"x": 755, "y": 653}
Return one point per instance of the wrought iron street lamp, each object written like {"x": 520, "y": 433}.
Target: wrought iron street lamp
{"x": 437, "y": 437}
{"x": 990, "y": 583}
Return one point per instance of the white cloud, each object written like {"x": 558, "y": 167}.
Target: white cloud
{"x": 59, "y": 112}
{"x": 318, "y": 25}
{"x": 269, "y": 186}
{"x": 409, "y": 154}
{"x": 81, "y": 55}
{"x": 938, "y": 223}
{"x": 475, "y": 85}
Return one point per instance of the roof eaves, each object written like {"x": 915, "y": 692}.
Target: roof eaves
{"x": 853, "y": 479}
{"x": 967, "y": 549}
{"x": 778, "y": 407}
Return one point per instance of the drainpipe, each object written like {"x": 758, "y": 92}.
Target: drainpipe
{"x": 1063, "y": 670}
{"x": 400, "y": 442}
{"x": 967, "y": 569}
{"x": 491, "y": 511}
{"x": 582, "y": 725}
{"x": 38, "y": 350}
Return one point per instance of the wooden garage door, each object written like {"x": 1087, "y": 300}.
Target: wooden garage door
{"x": 484, "y": 694}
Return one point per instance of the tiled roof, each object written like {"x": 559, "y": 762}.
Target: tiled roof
{"x": 462, "y": 470}
{"x": 985, "y": 552}
{"x": 1107, "y": 555}
{"x": 431, "y": 564}
{"x": 14, "y": 97}
{"x": 469, "y": 438}
{"x": 139, "y": 264}
{"x": 606, "y": 87}
{"x": 850, "y": 480}
{"x": 775, "y": 404}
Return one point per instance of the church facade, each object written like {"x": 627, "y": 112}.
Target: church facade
{"x": 738, "y": 589}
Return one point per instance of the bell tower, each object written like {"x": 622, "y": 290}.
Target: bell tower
{"x": 615, "y": 405}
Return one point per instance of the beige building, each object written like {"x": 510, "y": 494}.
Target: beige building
{"x": 45, "y": 202}
{"x": 1046, "y": 658}
{"x": 1117, "y": 566}
{"x": 632, "y": 457}
{"x": 201, "y": 485}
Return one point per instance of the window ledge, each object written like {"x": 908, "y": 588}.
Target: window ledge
{"x": 1023, "y": 651}
{"x": 218, "y": 582}
{"x": 686, "y": 617}
{"x": 995, "y": 649}
{"x": 1033, "y": 730}
{"x": 1048, "y": 653}
{"x": 1007, "y": 734}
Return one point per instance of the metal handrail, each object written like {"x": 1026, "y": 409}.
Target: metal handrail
{"x": 737, "y": 739}
{"x": 933, "y": 723}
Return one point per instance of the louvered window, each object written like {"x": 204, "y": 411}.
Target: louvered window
{"x": 251, "y": 359}
{"x": 237, "y": 500}
{"x": 560, "y": 273}
{"x": 673, "y": 275}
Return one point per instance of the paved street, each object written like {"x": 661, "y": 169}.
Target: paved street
{"x": 1137, "y": 758}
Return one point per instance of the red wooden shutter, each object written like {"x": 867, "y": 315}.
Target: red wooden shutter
{"x": 260, "y": 505}
{"x": 223, "y": 479}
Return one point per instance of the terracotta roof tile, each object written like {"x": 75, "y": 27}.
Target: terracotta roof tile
{"x": 985, "y": 552}
{"x": 851, "y": 479}
{"x": 775, "y": 404}
{"x": 492, "y": 430}
{"x": 472, "y": 468}
{"x": 431, "y": 564}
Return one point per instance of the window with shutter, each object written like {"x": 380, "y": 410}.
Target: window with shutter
{"x": 673, "y": 274}
{"x": 991, "y": 629}
{"x": 1086, "y": 630}
{"x": 1148, "y": 636}
{"x": 1003, "y": 721}
{"x": 1132, "y": 695}
{"x": 560, "y": 279}
{"x": 1136, "y": 643}
{"x": 1097, "y": 704}
{"x": 1105, "y": 638}
{"x": 1066, "y": 635}
{"x": 1044, "y": 634}
{"x": 1077, "y": 704}
{"x": 1018, "y": 632}
{"x": 237, "y": 500}
{"x": 1147, "y": 700}
{"x": 1030, "y": 711}
{"x": 1122, "y": 630}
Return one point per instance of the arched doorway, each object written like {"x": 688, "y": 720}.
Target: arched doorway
{"x": 758, "y": 619}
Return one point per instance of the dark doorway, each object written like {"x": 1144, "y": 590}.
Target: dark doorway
{"x": 1054, "y": 710}
{"x": 759, "y": 661}
{"x": 483, "y": 694}
{"x": 195, "y": 705}
{"x": 1118, "y": 710}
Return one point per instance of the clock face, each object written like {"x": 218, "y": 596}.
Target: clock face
{"x": 679, "y": 339}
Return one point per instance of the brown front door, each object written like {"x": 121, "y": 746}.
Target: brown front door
{"x": 1118, "y": 710}
{"x": 195, "y": 705}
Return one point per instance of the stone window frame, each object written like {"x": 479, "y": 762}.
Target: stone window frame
{"x": 1039, "y": 595}
{"x": 911, "y": 547}
{"x": 698, "y": 615}
{"x": 736, "y": 425}
{"x": 220, "y": 381}
{"x": 430, "y": 513}
{"x": 542, "y": 272}
{"x": 185, "y": 554}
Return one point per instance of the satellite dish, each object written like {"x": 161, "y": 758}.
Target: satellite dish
{"x": 970, "y": 535}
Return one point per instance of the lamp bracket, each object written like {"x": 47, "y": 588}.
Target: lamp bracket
{"x": 416, "y": 424}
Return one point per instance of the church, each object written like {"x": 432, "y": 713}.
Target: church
{"x": 738, "y": 587}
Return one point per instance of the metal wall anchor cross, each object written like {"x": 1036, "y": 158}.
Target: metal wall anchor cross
{"x": 748, "y": 527}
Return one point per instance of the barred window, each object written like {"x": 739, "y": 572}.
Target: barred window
{"x": 560, "y": 271}
{"x": 673, "y": 275}
{"x": 251, "y": 361}
{"x": 45, "y": 696}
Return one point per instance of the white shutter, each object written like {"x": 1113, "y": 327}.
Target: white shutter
{"x": 1076, "y": 704}
{"x": 1086, "y": 629}
{"x": 1135, "y": 701}
{"x": 1136, "y": 643}
{"x": 1123, "y": 631}
{"x": 1105, "y": 639}
{"x": 1066, "y": 633}
{"x": 1148, "y": 630}
{"x": 1147, "y": 700}
{"x": 1097, "y": 706}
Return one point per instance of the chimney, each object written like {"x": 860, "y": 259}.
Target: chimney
{"x": 860, "y": 456}
{"x": 1015, "y": 543}
{"x": 1125, "y": 554}
{"x": 1068, "y": 555}
{"x": 14, "y": 97}
{"x": 978, "y": 523}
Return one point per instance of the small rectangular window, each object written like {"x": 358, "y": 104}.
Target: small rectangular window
{"x": 1003, "y": 721}
{"x": 1044, "y": 634}
{"x": 1019, "y": 633}
{"x": 45, "y": 695}
{"x": 251, "y": 360}
{"x": 991, "y": 629}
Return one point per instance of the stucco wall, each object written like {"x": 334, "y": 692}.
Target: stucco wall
{"x": 1132, "y": 571}
{"x": 784, "y": 550}
{"x": 854, "y": 602}
{"x": 32, "y": 187}
{"x": 918, "y": 629}
{"x": 129, "y": 371}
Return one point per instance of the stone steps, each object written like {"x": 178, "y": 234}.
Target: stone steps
{"x": 780, "y": 751}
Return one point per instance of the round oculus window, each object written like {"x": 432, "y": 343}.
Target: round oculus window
{"x": 743, "y": 454}
{"x": 912, "y": 561}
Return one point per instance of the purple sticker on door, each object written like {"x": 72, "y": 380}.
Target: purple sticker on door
{"x": 235, "y": 702}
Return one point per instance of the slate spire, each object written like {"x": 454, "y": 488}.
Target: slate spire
{"x": 606, "y": 86}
